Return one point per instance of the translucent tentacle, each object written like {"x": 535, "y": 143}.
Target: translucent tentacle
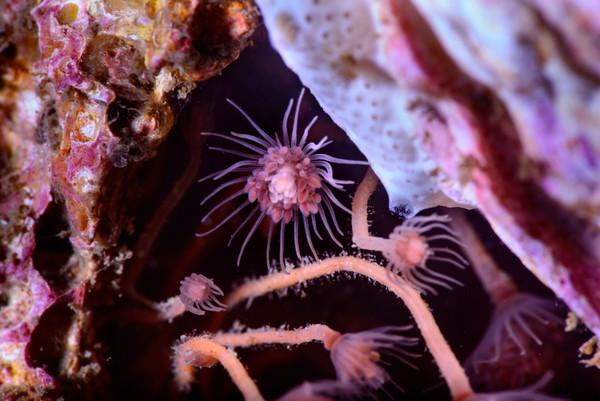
{"x": 281, "y": 237}
{"x": 284, "y": 124}
{"x": 238, "y": 141}
{"x": 246, "y": 220}
{"x": 314, "y": 226}
{"x": 230, "y": 197}
{"x": 251, "y": 121}
{"x": 269, "y": 238}
{"x": 333, "y": 199}
{"x": 327, "y": 227}
{"x": 306, "y": 130}
{"x": 295, "y": 125}
{"x": 296, "y": 243}
{"x": 264, "y": 144}
{"x": 333, "y": 218}
{"x": 252, "y": 230}
{"x": 225, "y": 220}
{"x": 235, "y": 152}
{"x": 331, "y": 159}
{"x": 309, "y": 238}
{"x": 223, "y": 186}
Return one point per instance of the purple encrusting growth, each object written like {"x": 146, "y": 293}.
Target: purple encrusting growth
{"x": 289, "y": 181}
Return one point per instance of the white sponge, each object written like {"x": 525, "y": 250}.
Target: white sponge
{"x": 335, "y": 48}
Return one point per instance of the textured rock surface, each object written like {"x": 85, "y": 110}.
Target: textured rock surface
{"x": 88, "y": 89}
{"x": 495, "y": 103}
{"x": 25, "y": 186}
{"x": 119, "y": 70}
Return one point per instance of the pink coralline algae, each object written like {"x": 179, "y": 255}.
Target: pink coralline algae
{"x": 88, "y": 89}
{"x": 25, "y": 186}
{"x": 496, "y": 104}
{"x": 118, "y": 72}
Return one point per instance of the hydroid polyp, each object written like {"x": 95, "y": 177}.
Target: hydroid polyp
{"x": 287, "y": 180}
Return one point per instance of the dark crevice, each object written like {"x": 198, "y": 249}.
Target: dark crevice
{"x": 49, "y": 339}
{"x": 53, "y": 248}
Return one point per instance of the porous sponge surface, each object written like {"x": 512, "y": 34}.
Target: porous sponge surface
{"x": 337, "y": 50}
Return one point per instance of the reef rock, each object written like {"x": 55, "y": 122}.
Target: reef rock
{"x": 88, "y": 88}
{"x": 119, "y": 71}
